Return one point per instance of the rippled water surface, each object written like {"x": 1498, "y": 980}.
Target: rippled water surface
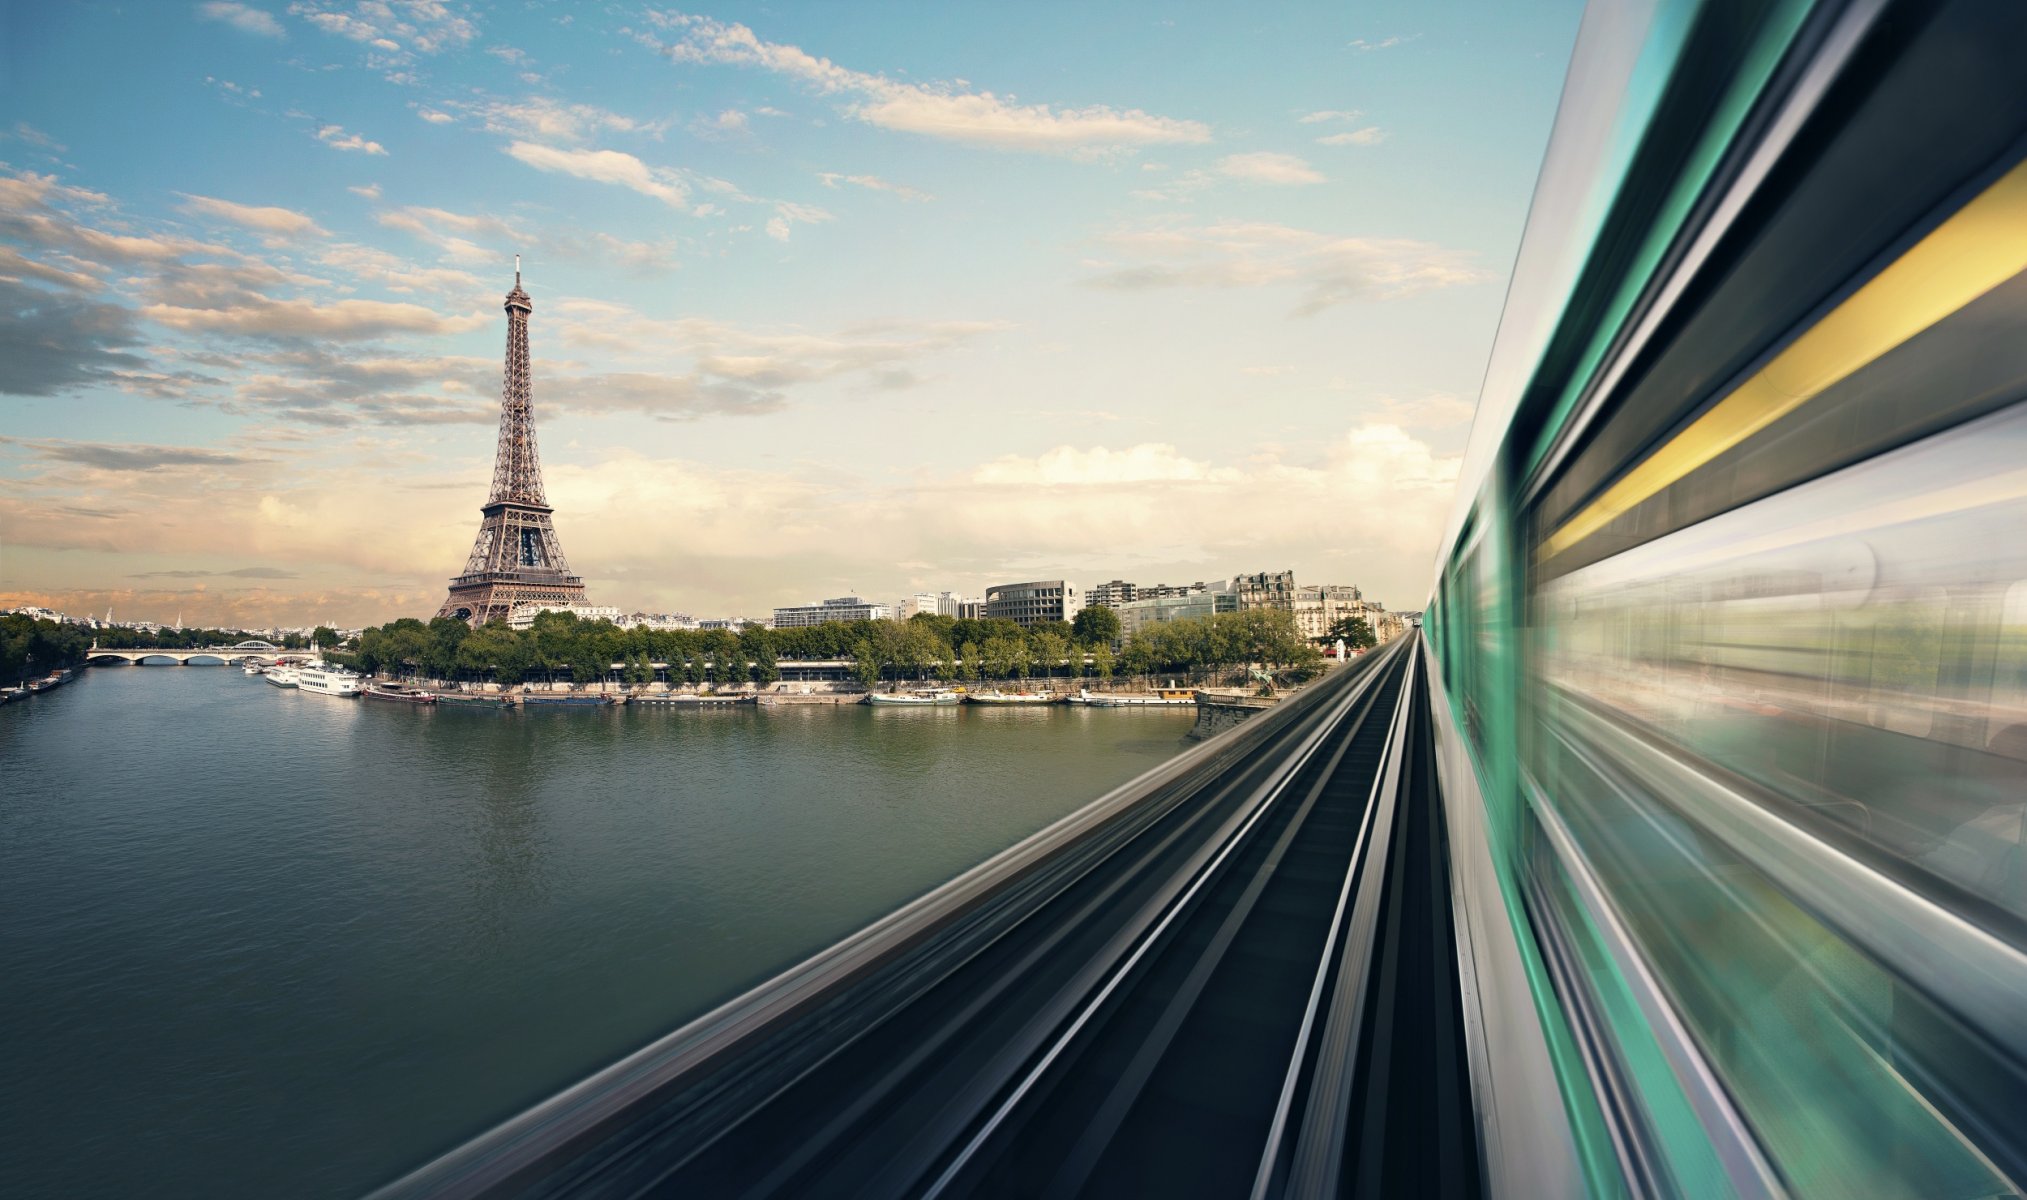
{"x": 260, "y": 943}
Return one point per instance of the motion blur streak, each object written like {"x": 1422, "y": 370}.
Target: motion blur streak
{"x": 1972, "y": 253}
{"x": 1734, "y": 646}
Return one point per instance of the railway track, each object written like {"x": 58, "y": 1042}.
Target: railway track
{"x": 1214, "y": 992}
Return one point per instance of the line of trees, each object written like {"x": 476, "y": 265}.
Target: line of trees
{"x": 560, "y": 646}
{"x": 31, "y": 648}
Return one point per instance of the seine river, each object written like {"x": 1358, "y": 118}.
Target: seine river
{"x": 261, "y": 943}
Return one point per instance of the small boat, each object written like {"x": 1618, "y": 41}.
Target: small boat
{"x": 45, "y": 683}
{"x": 1168, "y": 697}
{"x": 399, "y": 693}
{"x": 281, "y": 675}
{"x": 492, "y": 700}
{"x": 324, "y": 679}
{"x": 541, "y": 699}
{"x": 253, "y": 669}
{"x": 677, "y": 700}
{"x": 998, "y": 697}
{"x": 933, "y": 698}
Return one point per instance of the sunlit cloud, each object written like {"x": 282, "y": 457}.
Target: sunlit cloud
{"x": 951, "y": 112}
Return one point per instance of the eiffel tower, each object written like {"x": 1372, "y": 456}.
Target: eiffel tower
{"x": 516, "y": 558}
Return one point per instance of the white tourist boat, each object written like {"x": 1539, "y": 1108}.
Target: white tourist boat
{"x": 324, "y": 679}
{"x": 254, "y": 669}
{"x": 937, "y": 697}
{"x": 281, "y": 675}
{"x": 1168, "y": 697}
{"x": 996, "y": 696}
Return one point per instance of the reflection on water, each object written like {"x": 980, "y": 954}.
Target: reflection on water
{"x": 281, "y": 944}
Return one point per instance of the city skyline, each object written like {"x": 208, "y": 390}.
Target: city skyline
{"x": 824, "y": 304}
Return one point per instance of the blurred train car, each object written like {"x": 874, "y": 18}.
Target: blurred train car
{"x": 1731, "y": 617}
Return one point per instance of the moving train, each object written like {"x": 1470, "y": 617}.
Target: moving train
{"x": 1730, "y": 620}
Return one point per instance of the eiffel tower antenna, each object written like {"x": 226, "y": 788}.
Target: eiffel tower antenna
{"x": 516, "y": 558}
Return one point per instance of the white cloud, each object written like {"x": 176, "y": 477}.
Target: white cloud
{"x": 280, "y": 222}
{"x": 393, "y": 27}
{"x": 832, "y": 179}
{"x": 451, "y": 232}
{"x": 950, "y": 111}
{"x": 1326, "y": 269}
{"x": 1082, "y": 511}
{"x": 1371, "y": 135}
{"x": 606, "y": 166}
{"x": 242, "y": 18}
{"x": 1330, "y": 114}
{"x": 335, "y": 137}
{"x": 434, "y": 117}
{"x": 729, "y": 123}
{"x": 1265, "y": 166}
{"x": 262, "y": 316}
{"x": 371, "y": 191}
{"x": 885, "y": 353}
{"x": 787, "y": 215}
{"x": 1386, "y": 43}
{"x": 1067, "y": 466}
{"x": 540, "y": 119}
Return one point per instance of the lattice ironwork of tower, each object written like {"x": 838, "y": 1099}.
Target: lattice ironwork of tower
{"x": 516, "y": 558}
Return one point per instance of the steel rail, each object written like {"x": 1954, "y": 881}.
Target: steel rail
{"x": 1076, "y": 1167}
{"x": 1316, "y": 1160}
{"x": 1134, "y": 942}
{"x": 1273, "y": 1158}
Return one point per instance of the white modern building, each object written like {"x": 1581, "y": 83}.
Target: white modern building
{"x": 920, "y": 602}
{"x": 1136, "y": 615}
{"x": 840, "y": 608}
{"x": 1034, "y": 603}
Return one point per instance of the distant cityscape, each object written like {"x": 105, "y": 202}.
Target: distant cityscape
{"x": 1316, "y": 608}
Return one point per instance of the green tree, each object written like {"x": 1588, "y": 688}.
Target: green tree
{"x": 757, "y": 644}
{"x": 970, "y": 664}
{"x": 1095, "y": 626}
{"x": 328, "y": 638}
{"x": 1356, "y": 632}
{"x": 1139, "y": 657}
{"x": 1050, "y": 649}
{"x": 1006, "y": 655}
{"x": 865, "y": 663}
{"x": 1101, "y": 660}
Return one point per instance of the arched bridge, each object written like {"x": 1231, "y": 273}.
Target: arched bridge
{"x": 183, "y": 656}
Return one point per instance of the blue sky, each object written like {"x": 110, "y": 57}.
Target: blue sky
{"x": 829, "y": 298}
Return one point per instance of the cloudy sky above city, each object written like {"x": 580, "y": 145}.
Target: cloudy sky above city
{"x": 828, "y": 298}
